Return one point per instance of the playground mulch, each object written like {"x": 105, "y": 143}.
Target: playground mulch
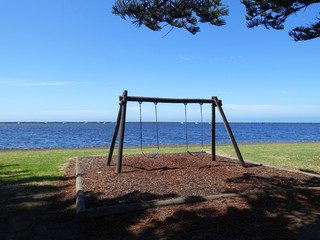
{"x": 178, "y": 175}
{"x": 285, "y": 215}
{"x": 48, "y": 212}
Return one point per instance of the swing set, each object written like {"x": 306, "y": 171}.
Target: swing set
{"x": 157, "y": 131}
{"x": 214, "y": 101}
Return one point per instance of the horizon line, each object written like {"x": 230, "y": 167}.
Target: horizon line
{"x": 104, "y": 122}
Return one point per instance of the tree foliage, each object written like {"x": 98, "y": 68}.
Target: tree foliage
{"x": 273, "y": 14}
{"x": 156, "y": 14}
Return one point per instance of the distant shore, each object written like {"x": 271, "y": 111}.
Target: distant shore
{"x": 108, "y": 122}
{"x": 151, "y": 146}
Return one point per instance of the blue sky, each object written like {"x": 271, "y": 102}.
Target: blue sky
{"x": 70, "y": 60}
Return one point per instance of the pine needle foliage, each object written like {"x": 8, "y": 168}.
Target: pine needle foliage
{"x": 156, "y": 14}
{"x": 273, "y": 14}
{"x": 186, "y": 14}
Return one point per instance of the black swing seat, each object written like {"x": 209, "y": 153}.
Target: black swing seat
{"x": 153, "y": 156}
{"x": 195, "y": 155}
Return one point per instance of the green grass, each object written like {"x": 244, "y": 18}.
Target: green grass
{"x": 299, "y": 156}
{"x": 18, "y": 168}
{"x": 45, "y": 167}
{"x": 36, "y": 167}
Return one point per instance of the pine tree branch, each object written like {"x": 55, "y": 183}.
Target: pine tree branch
{"x": 177, "y": 13}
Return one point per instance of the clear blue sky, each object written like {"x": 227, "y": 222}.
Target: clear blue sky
{"x": 70, "y": 60}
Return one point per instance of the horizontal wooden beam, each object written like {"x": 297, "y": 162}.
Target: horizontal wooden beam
{"x": 168, "y": 100}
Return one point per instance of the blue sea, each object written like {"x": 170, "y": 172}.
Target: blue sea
{"x": 71, "y": 135}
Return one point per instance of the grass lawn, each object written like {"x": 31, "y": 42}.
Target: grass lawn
{"x": 299, "y": 156}
{"x": 36, "y": 167}
{"x": 45, "y": 167}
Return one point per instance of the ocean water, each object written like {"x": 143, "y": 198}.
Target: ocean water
{"x": 71, "y": 135}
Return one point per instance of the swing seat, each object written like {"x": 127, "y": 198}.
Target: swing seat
{"x": 197, "y": 154}
{"x": 154, "y": 154}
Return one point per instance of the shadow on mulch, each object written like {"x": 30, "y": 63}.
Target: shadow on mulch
{"x": 178, "y": 176}
{"x": 42, "y": 212}
{"x": 292, "y": 215}
{"x": 279, "y": 216}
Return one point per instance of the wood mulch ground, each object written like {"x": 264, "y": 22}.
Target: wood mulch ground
{"x": 294, "y": 215}
{"x": 48, "y": 212}
{"x": 178, "y": 175}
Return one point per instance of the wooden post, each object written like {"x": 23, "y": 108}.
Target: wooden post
{"x": 226, "y": 124}
{"x": 213, "y": 131}
{"x": 123, "y": 102}
{"x": 114, "y": 137}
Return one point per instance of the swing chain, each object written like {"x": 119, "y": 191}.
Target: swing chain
{"x": 140, "y": 103}
{"x": 186, "y": 124}
{"x": 157, "y": 129}
{"x": 141, "y": 143}
{"x": 201, "y": 125}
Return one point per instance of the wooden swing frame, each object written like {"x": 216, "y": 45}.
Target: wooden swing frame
{"x": 121, "y": 119}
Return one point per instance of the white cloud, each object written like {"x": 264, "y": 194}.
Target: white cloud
{"x": 74, "y": 112}
{"x": 147, "y": 111}
{"x": 134, "y": 109}
{"x": 287, "y": 93}
{"x": 235, "y": 57}
{"x": 34, "y": 84}
{"x": 186, "y": 58}
{"x": 250, "y": 108}
{"x": 267, "y": 111}
{"x": 222, "y": 92}
{"x": 61, "y": 115}
{"x": 40, "y": 84}
{"x": 175, "y": 112}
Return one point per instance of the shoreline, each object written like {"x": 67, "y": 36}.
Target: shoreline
{"x": 149, "y": 146}
{"x": 108, "y": 122}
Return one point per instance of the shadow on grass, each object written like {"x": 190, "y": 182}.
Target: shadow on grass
{"x": 36, "y": 212}
{"x": 30, "y": 205}
{"x": 19, "y": 180}
{"x": 8, "y": 165}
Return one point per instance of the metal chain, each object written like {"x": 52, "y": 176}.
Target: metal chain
{"x": 157, "y": 129}
{"x": 140, "y": 126}
{"x": 186, "y": 124}
{"x": 201, "y": 125}
{"x": 141, "y": 143}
